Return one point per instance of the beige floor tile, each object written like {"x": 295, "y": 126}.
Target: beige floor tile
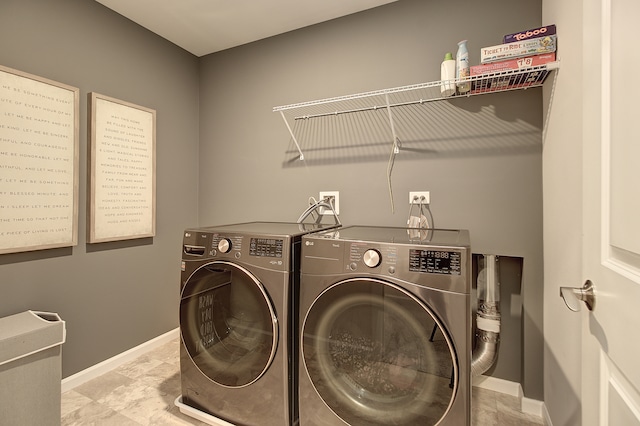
{"x": 143, "y": 391}
{"x": 73, "y": 401}
{"x": 138, "y": 368}
{"x": 96, "y": 414}
{"x": 103, "y": 385}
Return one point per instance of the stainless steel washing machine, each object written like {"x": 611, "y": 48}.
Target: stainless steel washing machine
{"x": 385, "y": 327}
{"x": 238, "y": 321}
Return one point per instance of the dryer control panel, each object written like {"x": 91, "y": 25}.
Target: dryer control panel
{"x": 270, "y": 252}
{"x": 266, "y": 247}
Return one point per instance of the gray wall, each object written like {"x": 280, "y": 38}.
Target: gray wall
{"x": 113, "y": 296}
{"x": 486, "y": 177}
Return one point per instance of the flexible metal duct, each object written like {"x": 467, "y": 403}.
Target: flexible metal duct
{"x": 488, "y": 316}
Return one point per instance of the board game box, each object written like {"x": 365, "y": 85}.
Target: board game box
{"x": 534, "y": 46}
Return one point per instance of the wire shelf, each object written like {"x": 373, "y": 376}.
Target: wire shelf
{"x": 369, "y": 121}
{"x": 386, "y": 100}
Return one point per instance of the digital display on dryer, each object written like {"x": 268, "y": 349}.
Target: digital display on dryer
{"x": 434, "y": 261}
{"x": 266, "y": 247}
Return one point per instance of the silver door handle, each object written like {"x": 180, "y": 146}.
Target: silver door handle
{"x": 572, "y": 296}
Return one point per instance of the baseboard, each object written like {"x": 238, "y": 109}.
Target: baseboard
{"x": 112, "y": 363}
{"x": 498, "y": 385}
{"x": 546, "y": 416}
{"x": 534, "y": 407}
{"x": 527, "y": 405}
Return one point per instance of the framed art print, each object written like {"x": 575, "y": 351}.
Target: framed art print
{"x": 38, "y": 163}
{"x": 122, "y": 175}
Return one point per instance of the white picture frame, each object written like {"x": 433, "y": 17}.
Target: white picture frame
{"x": 122, "y": 170}
{"x": 39, "y": 138}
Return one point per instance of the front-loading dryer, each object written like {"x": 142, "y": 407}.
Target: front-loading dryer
{"x": 238, "y": 322}
{"x": 385, "y": 327}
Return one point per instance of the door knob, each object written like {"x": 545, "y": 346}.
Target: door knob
{"x": 572, "y": 296}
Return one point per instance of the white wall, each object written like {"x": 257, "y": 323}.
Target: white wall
{"x": 562, "y": 192}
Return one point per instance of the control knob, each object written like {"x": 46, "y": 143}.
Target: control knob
{"x": 224, "y": 245}
{"x": 371, "y": 258}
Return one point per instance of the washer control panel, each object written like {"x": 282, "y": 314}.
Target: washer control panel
{"x": 442, "y": 260}
{"x": 429, "y": 260}
{"x": 371, "y": 258}
{"x": 435, "y": 261}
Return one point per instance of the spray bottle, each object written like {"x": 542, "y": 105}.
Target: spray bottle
{"x": 462, "y": 67}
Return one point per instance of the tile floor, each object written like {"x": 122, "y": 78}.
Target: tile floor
{"x": 143, "y": 391}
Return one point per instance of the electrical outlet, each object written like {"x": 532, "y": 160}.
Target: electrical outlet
{"x": 335, "y": 196}
{"x": 417, "y": 197}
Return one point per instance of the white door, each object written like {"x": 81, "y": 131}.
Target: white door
{"x": 611, "y": 194}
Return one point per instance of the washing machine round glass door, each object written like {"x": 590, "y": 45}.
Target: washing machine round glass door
{"x": 374, "y": 355}
{"x": 228, "y": 324}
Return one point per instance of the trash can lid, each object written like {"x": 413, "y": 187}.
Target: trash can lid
{"x": 29, "y": 332}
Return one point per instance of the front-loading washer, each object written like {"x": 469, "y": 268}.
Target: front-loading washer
{"x": 385, "y": 327}
{"x": 238, "y": 322}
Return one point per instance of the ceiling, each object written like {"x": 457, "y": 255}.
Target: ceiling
{"x": 206, "y": 26}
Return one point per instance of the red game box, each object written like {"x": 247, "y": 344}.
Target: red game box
{"x": 513, "y": 64}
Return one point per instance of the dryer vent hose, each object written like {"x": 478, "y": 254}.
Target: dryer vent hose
{"x": 488, "y": 317}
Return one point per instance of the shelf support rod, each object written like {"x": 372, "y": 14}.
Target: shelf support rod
{"x": 292, "y": 135}
{"x": 394, "y": 150}
{"x": 548, "y": 116}
{"x": 393, "y": 128}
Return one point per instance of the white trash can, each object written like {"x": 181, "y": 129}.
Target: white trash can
{"x": 31, "y": 368}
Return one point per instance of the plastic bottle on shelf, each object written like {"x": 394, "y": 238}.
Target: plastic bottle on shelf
{"x": 462, "y": 67}
{"x": 447, "y": 75}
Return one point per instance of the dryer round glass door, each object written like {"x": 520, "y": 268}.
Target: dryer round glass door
{"x": 367, "y": 348}
{"x": 228, "y": 324}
